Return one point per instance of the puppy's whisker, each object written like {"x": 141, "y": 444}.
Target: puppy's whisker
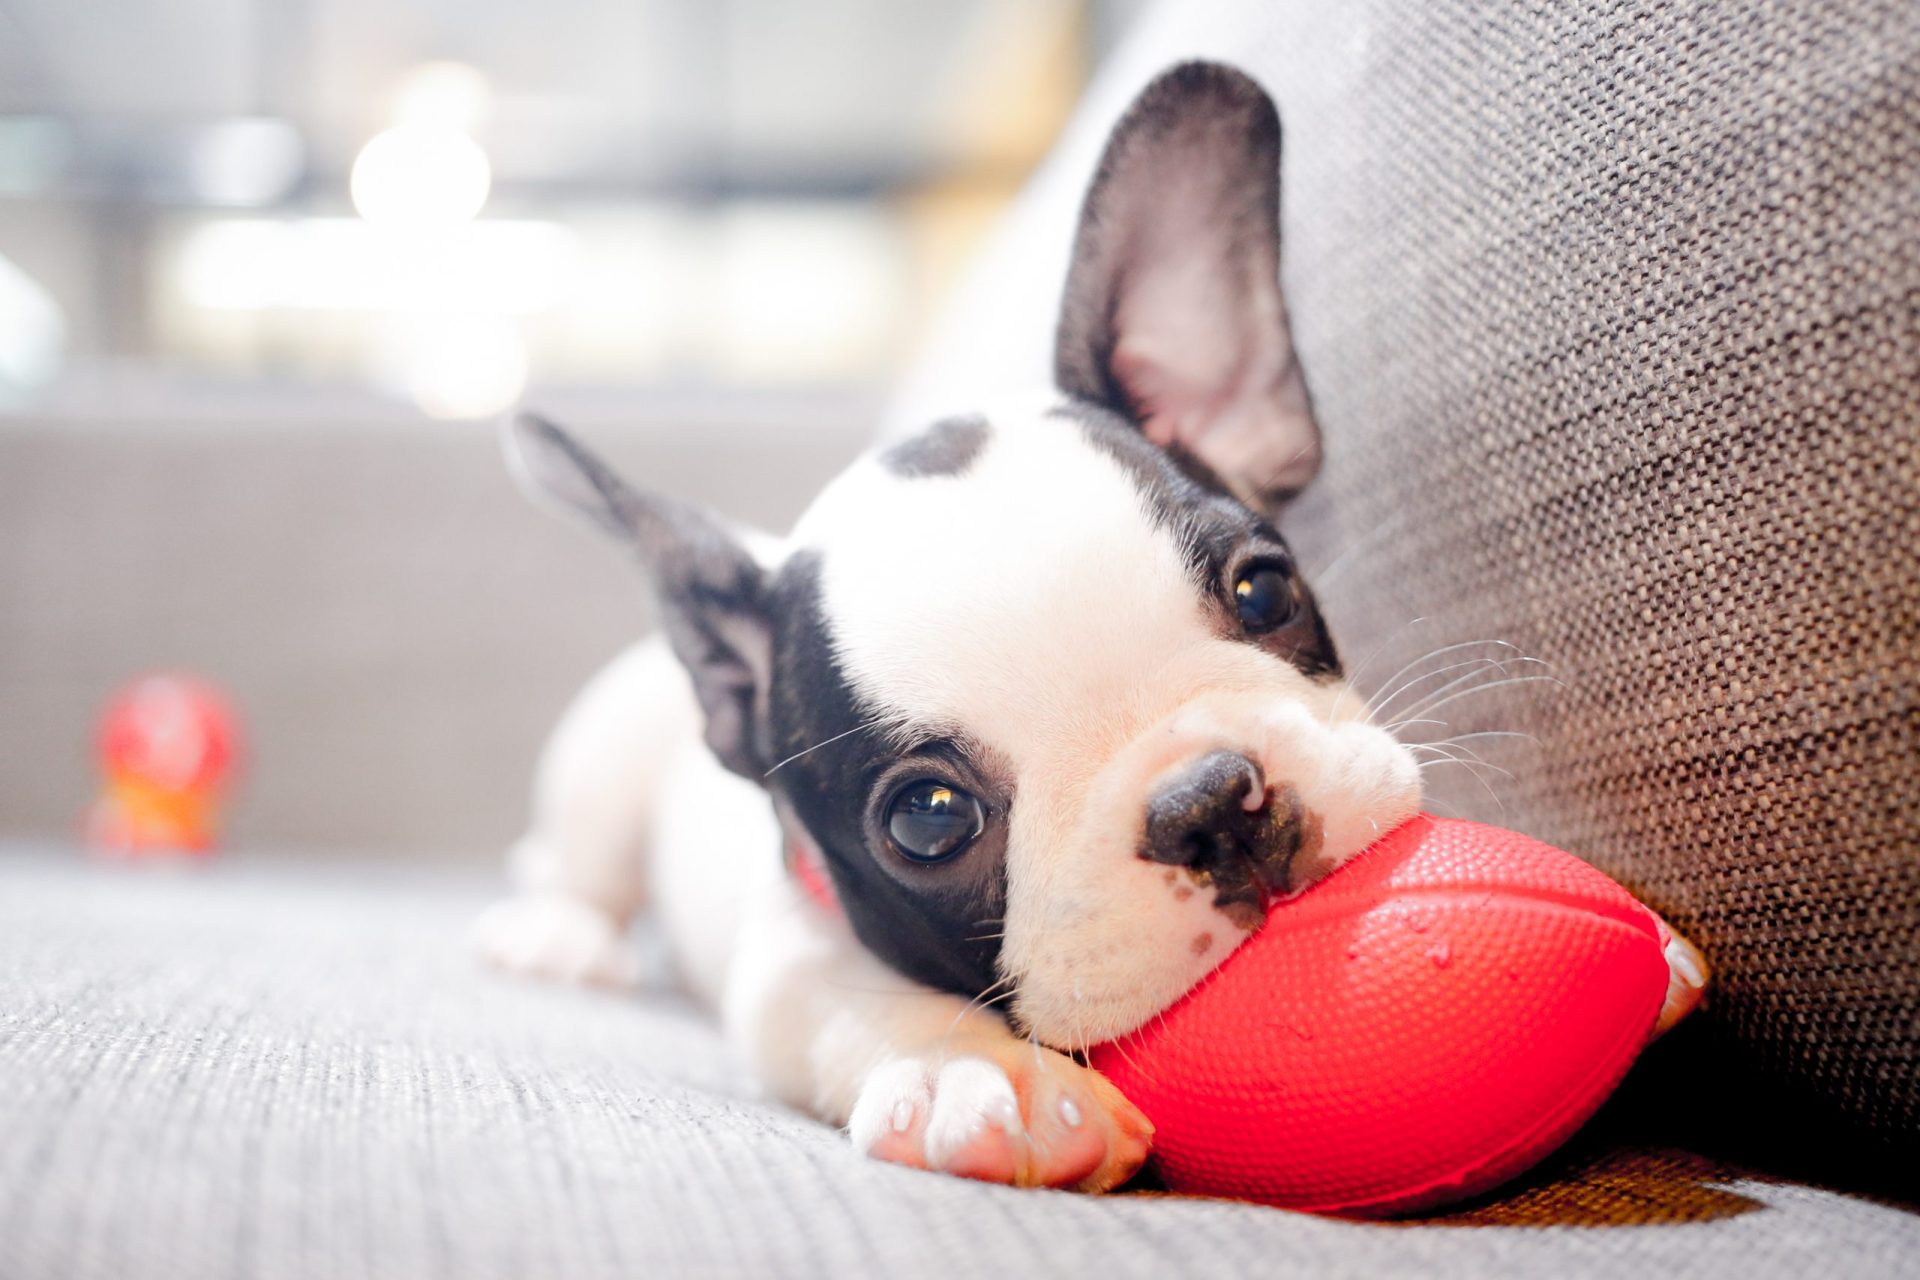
{"x": 1441, "y": 652}
{"x": 1476, "y": 664}
{"x": 1441, "y": 746}
{"x": 1485, "y": 733}
{"x": 1468, "y": 761}
{"x": 1476, "y": 775}
{"x": 816, "y": 746}
{"x": 1479, "y": 664}
{"x": 1353, "y": 676}
{"x": 1475, "y": 674}
{"x": 1120, "y": 1047}
{"x": 993, "y": 936}
{"x": 982, "y": 1002}
{"x": 1367, "y": 542}
{"x": 1431, "y": 706}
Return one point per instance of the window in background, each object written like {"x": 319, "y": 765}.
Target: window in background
{"x": 439, "y": 204}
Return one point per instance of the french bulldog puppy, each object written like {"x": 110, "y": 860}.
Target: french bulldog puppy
{"x": 1018, "y": 734}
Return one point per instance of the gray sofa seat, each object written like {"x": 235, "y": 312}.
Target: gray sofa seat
{"x": 282, "y": 1069}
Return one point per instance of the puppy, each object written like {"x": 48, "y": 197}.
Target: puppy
{"x": 1017, "y": 735}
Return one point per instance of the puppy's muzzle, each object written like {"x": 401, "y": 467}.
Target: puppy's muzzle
{"x": 1217, "y": 818}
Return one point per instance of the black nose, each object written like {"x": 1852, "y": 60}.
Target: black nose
{"x": 1199, "y": 819}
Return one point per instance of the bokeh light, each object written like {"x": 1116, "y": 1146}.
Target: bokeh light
{"x": 420, "y": 175}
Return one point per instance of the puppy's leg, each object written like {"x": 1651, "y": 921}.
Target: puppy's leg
{"x": 918, "y": 1077}
{"x": 580, "y": 870}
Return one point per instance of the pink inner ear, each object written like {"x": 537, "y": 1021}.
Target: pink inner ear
{"x": 1249, "y": 417}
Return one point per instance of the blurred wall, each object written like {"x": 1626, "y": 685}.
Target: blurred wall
{"x": 268, "y": 268}
{"x": 398, "y": 627}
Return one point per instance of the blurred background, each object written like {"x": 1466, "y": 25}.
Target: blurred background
{"x": 271, "y": 269}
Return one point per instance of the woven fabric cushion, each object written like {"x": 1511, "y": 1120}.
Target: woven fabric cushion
{"x": 1612, "y": 316}
{"x": 289, "y": 1071}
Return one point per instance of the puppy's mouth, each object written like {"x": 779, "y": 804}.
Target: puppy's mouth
{"x": 1219, "y": 822}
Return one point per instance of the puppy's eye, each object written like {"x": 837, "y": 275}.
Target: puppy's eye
{"x": 1265, "y": 597}
{"x": 930, "y": 821}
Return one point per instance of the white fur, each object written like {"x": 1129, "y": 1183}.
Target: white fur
{"x": 556, "y": 936}
{"x": 1057, "y": 625}
{"x": 1034, "y": 606}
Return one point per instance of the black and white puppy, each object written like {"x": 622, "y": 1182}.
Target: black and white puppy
{"x": 1040, "y": 694}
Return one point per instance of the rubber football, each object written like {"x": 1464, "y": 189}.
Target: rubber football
{"x": 1427, "y": 1022}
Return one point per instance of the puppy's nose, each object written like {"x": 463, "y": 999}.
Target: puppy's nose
{"x": 1200, "y": 817}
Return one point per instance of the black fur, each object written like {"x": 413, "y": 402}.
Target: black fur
{"x": 937, "y": 924}
{"x": 947, "y": 448}
{"x": 711, "y": 591}
{"x": 1217, "y": 530}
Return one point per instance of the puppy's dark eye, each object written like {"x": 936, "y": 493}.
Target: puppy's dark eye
{"x": 930, "y": 821}
{"x": 1265, "y": 597}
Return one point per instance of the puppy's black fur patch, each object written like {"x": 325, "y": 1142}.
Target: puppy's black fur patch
{"x": 947, "y": 448}
{"x": 1216, "y": 530}
{"x": 940, "y": 924}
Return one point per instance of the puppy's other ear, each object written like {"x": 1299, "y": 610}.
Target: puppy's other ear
{"x": 1173, "y": 314}
{"x": 712, "y": 592}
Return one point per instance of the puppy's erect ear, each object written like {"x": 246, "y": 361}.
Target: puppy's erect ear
{"x": 712, "y": 592}
{"x": 1173, "y": 314}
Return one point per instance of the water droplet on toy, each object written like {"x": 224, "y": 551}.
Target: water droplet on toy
{"x": 1418, "y": 923}
{"x": 1441, "y": 954}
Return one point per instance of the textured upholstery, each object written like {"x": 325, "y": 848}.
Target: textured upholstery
{"x": 297, "y": 1072}
{"x": 1612, "y": 315}
{"x": 1610, "y": 310}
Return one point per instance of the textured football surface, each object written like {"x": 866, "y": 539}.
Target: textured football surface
{"x": 1425, "y": 1023}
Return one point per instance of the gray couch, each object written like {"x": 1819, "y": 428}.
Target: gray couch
{"x": 293, "y": 1071}
{"x": 1612, "y": 311}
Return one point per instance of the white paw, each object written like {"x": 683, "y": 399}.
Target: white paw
{"x": 1001, "y": 1110}
{"x": 558, "y": 938}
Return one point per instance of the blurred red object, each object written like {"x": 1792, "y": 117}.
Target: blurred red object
{"x": 167, "y": 746}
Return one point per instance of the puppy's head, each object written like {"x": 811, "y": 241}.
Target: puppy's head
{"x": 1043, "y": 684}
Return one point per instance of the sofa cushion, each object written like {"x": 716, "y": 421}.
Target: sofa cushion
{"x": 1612, "y": 316}
{"x": 294, "y": 1070}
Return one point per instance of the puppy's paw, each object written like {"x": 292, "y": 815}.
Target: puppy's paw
{"x": 1687, "y": 977}
{"x": 558, "y": 938}
{"x": 1001, "y": 1110}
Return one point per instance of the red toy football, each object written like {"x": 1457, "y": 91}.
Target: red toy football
{"x": 1428, "y": 1021}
